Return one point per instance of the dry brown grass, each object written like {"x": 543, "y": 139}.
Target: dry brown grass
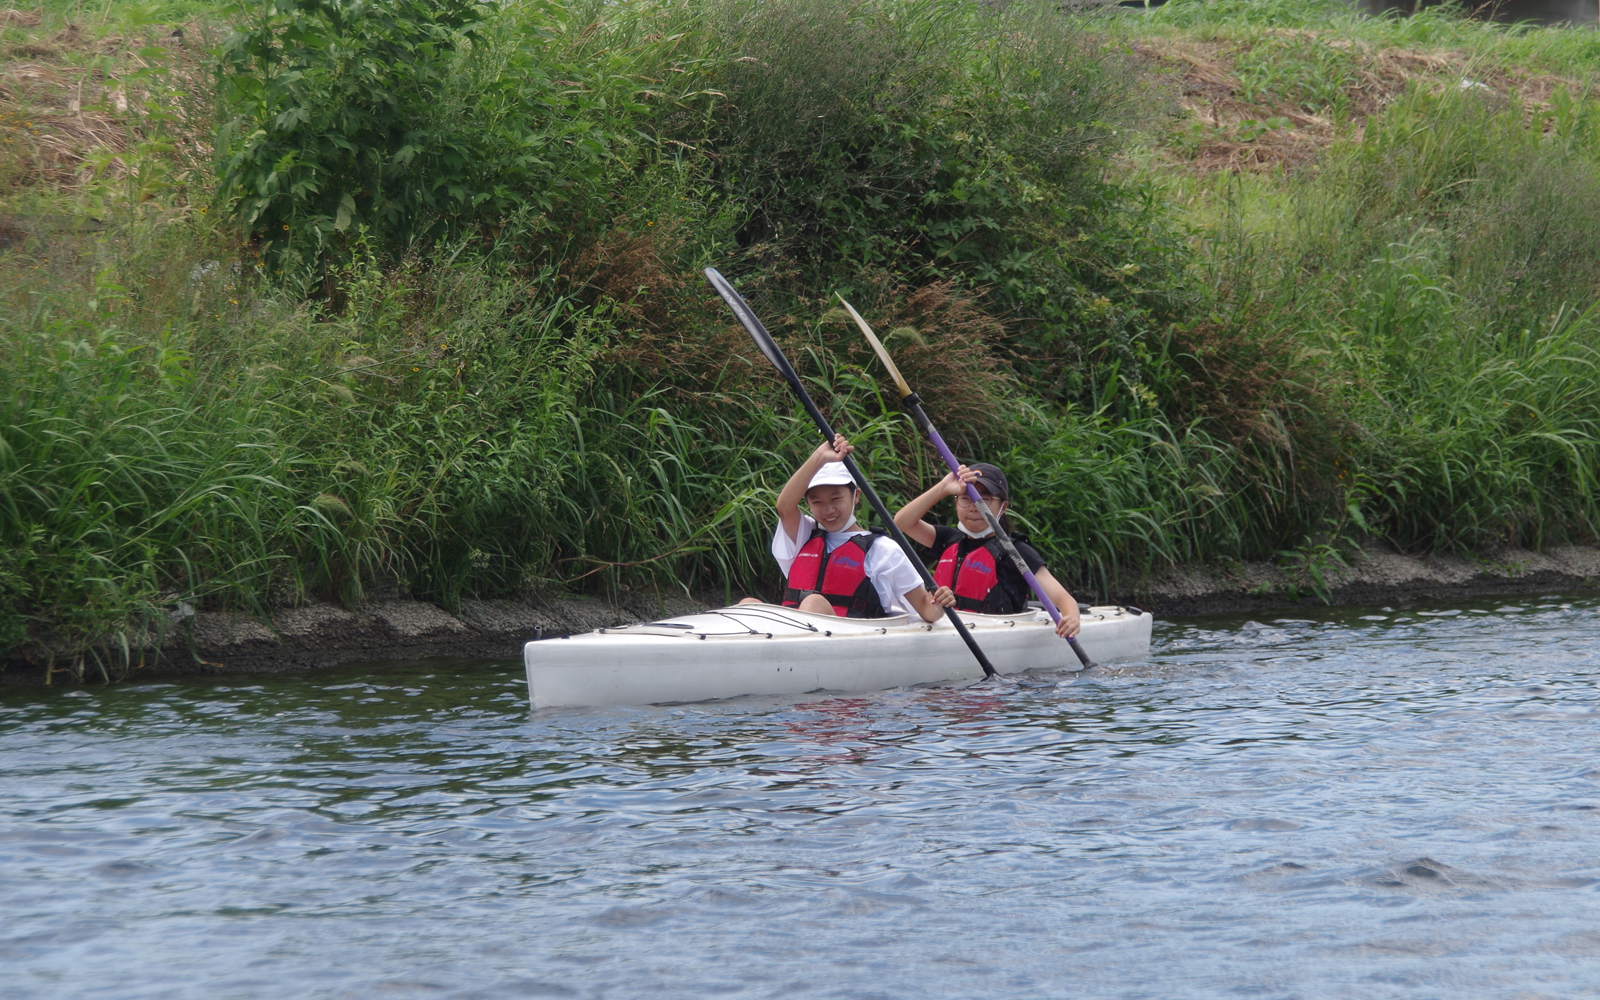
{"x": 1210, "y": 96}
{"x": 13, "y": 17}
{"x": 943, "y": 342}
{"x": 679, "y": 337}
{"x": 1243, "y": 379}
{"x": 668, "y": 327}
{"x": 67, "y": 114}
{"x": 1255, "y": 386}
{"x": 634, "y": 272}
{"x": 1210, "y": 137}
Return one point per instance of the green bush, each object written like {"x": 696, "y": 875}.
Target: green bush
{"x": 949, "y": 140}
{"x": 869, "y": 132}
{"x": 415, "y": 118}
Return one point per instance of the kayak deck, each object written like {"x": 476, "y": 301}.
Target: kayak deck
{"x": 755, "y": 649}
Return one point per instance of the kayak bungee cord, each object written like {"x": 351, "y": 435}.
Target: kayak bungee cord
{"x": 913, "y": 404}
{"x": 764, "y": 341}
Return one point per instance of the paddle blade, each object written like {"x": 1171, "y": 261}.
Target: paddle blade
{"x": 872, "y": 338}
{"x": 752, "y": 325}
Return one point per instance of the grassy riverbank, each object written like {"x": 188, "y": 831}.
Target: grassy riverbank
{"x": 321, "y": 304}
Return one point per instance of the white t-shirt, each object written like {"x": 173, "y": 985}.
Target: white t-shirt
{"x": 891, "y": 573}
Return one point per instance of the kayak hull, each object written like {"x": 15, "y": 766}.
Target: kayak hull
{"x": 759, "y": 649}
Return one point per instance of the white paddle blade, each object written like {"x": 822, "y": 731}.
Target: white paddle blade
{"x": 877, "y": 346}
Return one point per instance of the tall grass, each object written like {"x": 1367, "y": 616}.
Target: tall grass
{"x": 439, "y": 447}
{"x": 444, "y": 435}
{"x": 1429, "y": 292}
{"x": 1451, "y": 26}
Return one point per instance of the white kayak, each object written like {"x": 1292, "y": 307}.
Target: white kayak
{"x": 767, "y": 649}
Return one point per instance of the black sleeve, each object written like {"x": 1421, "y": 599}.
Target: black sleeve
{"x": 944, "y": 536}
{"x": 1030, "y": 555}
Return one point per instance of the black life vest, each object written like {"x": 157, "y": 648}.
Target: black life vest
{"x": 842, "y": 579}
{"x": 971, "y": 568}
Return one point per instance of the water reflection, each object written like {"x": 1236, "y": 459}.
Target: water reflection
{"x": 1371, "y": 802}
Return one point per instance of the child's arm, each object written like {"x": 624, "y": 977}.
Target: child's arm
{"x": 910, "y": 517}
{"x": 794, "y": 490}
{"x": 930, "y": 606}
{"x": 893, "y": 572}
{"x": 1065, "y": 603}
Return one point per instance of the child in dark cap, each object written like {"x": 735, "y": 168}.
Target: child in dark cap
{"x": 971, "y": 560}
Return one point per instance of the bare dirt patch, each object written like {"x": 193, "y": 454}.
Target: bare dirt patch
{"x": 1228, "y": 124}
{"x": 12, "y": 17}
{"x": 73, "y": 104}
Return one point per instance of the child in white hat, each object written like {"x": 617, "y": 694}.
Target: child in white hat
{"x": 834, "y": 566}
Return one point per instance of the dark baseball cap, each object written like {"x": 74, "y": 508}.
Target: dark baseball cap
{"x": 991, "y": 480}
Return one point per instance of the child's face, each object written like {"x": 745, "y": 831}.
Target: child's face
{"x": 831, "y": 506}
{"x": 971, "y": 517}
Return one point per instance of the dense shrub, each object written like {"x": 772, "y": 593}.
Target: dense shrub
{"x": 872, "y": 131}
{"x": 951, "y": 140}
{"x": 932, "y": 139}
{"x": 416, "y": 118}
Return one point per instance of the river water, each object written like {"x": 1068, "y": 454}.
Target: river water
{"x": 1340, "y": 803}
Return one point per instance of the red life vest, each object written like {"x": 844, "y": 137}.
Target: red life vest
{"x": 975, "y": 577}
{"x": 843, "y": 578}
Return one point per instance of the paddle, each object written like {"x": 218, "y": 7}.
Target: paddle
{"x": 913, "y": 403}
{"x": 764, "y": 340}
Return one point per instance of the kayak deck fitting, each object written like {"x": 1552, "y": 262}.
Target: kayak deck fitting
{"x": 755, "y": 649}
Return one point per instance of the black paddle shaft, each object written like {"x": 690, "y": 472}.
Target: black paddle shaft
{"x": 764, "y": 341}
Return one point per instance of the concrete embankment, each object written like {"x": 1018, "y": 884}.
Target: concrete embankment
{"x": 324, "y": 635}
{"x": 1376, "y": 575}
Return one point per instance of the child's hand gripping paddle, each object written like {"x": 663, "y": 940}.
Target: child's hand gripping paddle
{"x": 914, "y": 404}
{"x": 764, "y": 340}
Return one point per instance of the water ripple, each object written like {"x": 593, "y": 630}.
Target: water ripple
{"x": 1355, "y": 803}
